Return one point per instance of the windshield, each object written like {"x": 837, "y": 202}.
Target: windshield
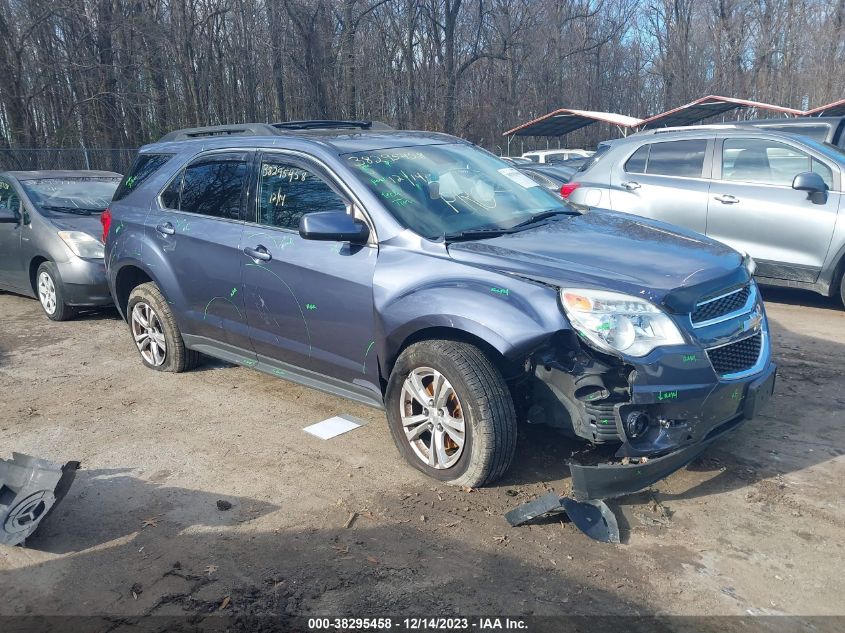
{"x": 442, "y": 191}
{"x": 831, "y": 151}
{"x": 82, "y": 196}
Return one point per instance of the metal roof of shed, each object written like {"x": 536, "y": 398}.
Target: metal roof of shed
{"x": 706, "y": 107}
{"x": 565, "y": 120}
{"x": 837, "y": 108}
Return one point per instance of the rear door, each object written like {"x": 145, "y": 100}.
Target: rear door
{"x": 753, "y": 207}
{"x": 197, "y": 224}
{"x": 309, "y": 303}
{"x": 665, "y": 180}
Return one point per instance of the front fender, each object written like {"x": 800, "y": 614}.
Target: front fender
{"x": 512, "y": 314}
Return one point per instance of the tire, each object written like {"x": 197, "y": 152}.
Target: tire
{"x": 474, "y": 392}
{"x": 51, "y": 293}
{"x": 159, "y": 342}
{"x": 842, "y": 288}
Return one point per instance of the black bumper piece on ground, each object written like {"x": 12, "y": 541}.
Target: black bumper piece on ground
{"x": 605, "y": 481}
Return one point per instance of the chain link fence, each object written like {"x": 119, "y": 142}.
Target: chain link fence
{"x": 26, "y": 159}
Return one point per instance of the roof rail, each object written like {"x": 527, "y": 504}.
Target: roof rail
{"x": 330, "y": 124}
{"x": 269, "y": 129}
{"x": 246, "y": 129}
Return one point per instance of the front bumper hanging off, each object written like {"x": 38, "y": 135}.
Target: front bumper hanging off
{"x": 605, "y": 481}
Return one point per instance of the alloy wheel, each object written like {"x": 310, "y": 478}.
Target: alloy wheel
{"x": 148, "y": 334}
{"x": 47, "y": 292}
{"x": 432, "y": 418}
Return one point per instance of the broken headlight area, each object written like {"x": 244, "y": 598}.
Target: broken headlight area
{"x": 29, "y": 490}
{"x": 645, "y": 421}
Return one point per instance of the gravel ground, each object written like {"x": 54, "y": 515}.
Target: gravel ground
{"x": 345, "y": 527}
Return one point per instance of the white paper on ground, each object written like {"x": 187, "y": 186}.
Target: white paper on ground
{"x": 332, "y": 427}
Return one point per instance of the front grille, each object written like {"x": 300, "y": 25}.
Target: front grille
{"x": 713, "y": 309}
{"x": 736, "y": 357}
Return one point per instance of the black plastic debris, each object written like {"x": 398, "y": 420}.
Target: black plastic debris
{"x": 594, "y": 518}
{"x": 29, "y": 489}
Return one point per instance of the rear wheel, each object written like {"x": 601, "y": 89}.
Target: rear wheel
{"x": 51, "y": 293}
{"x": 155, "y": 333}
{"x": 451, "y": 414}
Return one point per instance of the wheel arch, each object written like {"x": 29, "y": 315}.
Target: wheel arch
{"x": 450, "y": 328}
{"x": 129, "y": 277}
{"x": 34, "y": 263}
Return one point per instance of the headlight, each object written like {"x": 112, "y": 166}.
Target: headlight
{"x": 82, "y": 244}
{"x": 749, "y": 264}
{"x": 615, "y": 322}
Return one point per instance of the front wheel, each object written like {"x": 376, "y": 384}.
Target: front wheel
{"x": 451, "y": 414}
{"x": 51, "y": 293}
{"x": 842, "y": 288}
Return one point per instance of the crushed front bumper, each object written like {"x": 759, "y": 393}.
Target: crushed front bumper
{"x": 85, "y": 283}
{"x": 687, "y": 405}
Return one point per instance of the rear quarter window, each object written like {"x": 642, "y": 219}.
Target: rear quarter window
{"x": 637, "y": 162}
{"x": 145, "y": 165}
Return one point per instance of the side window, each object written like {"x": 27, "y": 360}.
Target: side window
{"x": 214, "y": 186}
{"x": 170, "y": 196}
{"x": 8, "y": 198}
{"x": 677, "y": 158}
{"x": 824, "y": 171}
{"x": 636, "y": 164}
{"x": 766, "y": 162}
{"x": 286, "y": 192}
{"x": 144, "y": 166}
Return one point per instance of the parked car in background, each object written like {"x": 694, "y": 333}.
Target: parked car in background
{"x": 550, "y": 177}
{"x": 773, "y": 195}
{"x": 50, "y": 233}
{"x": 825, "y": 129}
{"x": 555, "y": 155}
{"x": 516, "y": 160}
{"x": 416, "y": 272}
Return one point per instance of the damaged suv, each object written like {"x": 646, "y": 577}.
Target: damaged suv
{"x": 417, "y": 272}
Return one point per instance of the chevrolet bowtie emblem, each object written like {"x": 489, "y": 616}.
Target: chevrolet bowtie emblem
{"x": 753, "y": 323}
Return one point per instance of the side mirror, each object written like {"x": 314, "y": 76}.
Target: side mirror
{"x": 333, "y": 226}
{"x": 7, "y": 216}
{"x": 813, "y": 184}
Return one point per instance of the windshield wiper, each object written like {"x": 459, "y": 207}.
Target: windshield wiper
{"x": 75, "y": 210}
{"x": 543, "y": 215}
{"x": 472, "y": 234}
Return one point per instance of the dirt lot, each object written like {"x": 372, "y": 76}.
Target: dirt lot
{"x": 756, "y": 525}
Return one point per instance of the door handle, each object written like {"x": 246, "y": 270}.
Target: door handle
{"x": 166, "y": 229}
{"x": 259, "y": 252}
{"x": 631, "y": 185}
{"x": 727, "y": 199}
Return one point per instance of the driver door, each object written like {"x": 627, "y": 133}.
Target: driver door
{"x": 752, "y": 207}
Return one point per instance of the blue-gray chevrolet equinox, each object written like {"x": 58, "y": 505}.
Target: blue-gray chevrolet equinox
{"x": 417, "y": 272}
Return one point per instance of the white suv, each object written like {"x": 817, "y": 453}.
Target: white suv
{"x": 556, "y": 155}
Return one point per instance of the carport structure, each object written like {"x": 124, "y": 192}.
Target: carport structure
{"x": 837, "y": 108}
{"x": 565, "y": 120}
{"x": 709, "y": 106}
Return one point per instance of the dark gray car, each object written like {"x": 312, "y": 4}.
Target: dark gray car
{"x": 775, "y": 196}
{"x": 416, "y": 272}
{"x": 50, "y": 233}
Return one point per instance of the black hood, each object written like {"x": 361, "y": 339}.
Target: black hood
{"x": 613, "y": 251}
